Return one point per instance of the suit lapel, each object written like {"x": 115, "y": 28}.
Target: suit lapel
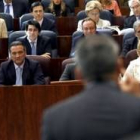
{"x": 28, "y": 46}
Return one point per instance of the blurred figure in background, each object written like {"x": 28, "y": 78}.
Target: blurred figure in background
{"x": 3, "y": 29}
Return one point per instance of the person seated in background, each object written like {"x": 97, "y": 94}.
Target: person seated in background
{"x": 20, "y": 70}
{"x": 132, "y": 42}
{"x": 58, "y": 8}
{"x": 16, "y": 8}
{"x": 135, "y": 7}
{"x": 3, "y": 29}
{"x": 89, "y": 28}
{"x": 69, "y": 72}
{"x": 133, "y": 68}
{"x": 36, "y": 44}
{"x": 102, "y": 111}
{"x": 37, "y": 10}
{"x": 93, "y": 9}
{"x": 112, "y": 6}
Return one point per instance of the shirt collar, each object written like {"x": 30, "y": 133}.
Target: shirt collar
{"x": 21, "y": 66}
{"x": 10, "y": 4}
{"x": 35, "y": 41}
{"x": 40, "y": 22}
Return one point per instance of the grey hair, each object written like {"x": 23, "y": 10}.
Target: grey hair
{"x": 136, "y": 24}
{"x": 131, "y": 1}
{"x": 96, "y": 56}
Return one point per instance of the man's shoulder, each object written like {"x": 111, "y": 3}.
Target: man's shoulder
{"x": 6, "y": 63}
{"x": 131, "y": 40}
{"x": 48, "y": 21}
{"x": 130, "y": 18}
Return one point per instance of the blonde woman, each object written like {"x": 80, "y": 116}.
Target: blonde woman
{"x": 93, "y": 9}
{"x": 58, "y": 8}
{"x": 3, "y": 29}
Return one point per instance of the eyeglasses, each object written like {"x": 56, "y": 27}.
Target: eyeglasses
{"x": 135, "y": 7}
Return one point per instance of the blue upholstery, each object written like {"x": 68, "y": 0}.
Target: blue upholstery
{"x": 29, "y": 16}
{"x": 105, "y": 14}
{"x": 9, "y": 21}
{"x": 70, "y": 3}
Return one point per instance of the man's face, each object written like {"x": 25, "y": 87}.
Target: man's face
{"x": 38, "y": 13}
{"x": 32, "y": 32}
{"x": 89, "y": 28}
{"x": 18, "y": 54}
{"x": 135, "y": 6}
{"x": 94, "y": 14}
{"x": 8, "y": 1}
{"x": 57, "y": 2}
{"x": 137, "y": 32}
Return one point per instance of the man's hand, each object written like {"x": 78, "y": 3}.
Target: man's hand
{"x": 47, "y": 55}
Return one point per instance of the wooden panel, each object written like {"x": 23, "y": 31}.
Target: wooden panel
{"x": 3, "y": 48}
{"x": 64, "y": 45}
{"x": 66, "y": 25}
{"x": 16, "y": 24}
{"x": 21, "y": 108}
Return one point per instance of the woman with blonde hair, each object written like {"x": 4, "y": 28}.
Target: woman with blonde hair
{"x": 3, "y": 29}
{"x": 58, "y": 8}
{"x": 93, "y": 9}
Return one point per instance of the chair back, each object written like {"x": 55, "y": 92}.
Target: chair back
{"x": 131, "y": 55}
{"x": 29, "y": 16}
{"x": 105, "y": 14}
{"x": 8, "y": 20}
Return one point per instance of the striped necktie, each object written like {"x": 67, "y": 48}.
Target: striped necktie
{"x": 7, "y": 9}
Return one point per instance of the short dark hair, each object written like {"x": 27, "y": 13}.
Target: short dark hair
{"x": 88, "y": 19}
{"x": 96, "y": 56}
{"x": 34, "y": 23}
{"x": 16, "y": 43}
{"x": 35, "y": 4}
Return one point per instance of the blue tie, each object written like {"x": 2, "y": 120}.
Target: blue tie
{"x": 19, "y": 76}
{"x": 33, "y": 48}
{"x": 8, "y": 9}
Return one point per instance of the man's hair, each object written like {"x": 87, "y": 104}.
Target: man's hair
{"x": 88, "y": 19}
{"x": 16, "y": 43}
{"x": 131, "y": 1}
{"x": 35, "y": 4}
{"x": 136, "y": 24}
{"x": 96, "y": 56}
{"x": 34, "y": 23}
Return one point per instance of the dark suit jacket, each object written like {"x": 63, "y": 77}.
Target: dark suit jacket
{"x": 74, "y": 42}
{"x": 100, "y": 112}
{"x": 129, "y": 21}
{"x": 129, "y": 45}
{"x": 32, "y": 73}
{"x": 68, "y": 73}
{"x": 43, "y": 45}
{"x": 47, "y": 24}
{"x": 20, "y": 7}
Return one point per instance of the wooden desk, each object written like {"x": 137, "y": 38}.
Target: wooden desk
{"x": 21, "y": 108}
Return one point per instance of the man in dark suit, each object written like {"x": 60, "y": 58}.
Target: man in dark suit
{"x": 89, "y": 28}
{"x": 101, "y": 111}
{"x": 19, "y": 70}
{"x": 16, "y": 8}
{"x": 135, "y": 6}
{"x": 132, "y": 42}
{"x": 33, "y": 40}
{"x": 37, "y": 10}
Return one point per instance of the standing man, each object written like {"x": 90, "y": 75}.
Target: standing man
{"x": 36, "y": 44}
{"x": 15, "y": 8}
{"x": 19, "y": 70}
{"x": 37, "y": 10}
{"x": 101, "y": 111}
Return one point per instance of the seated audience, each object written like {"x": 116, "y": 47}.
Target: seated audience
{"x": 58, "y": 8}
{"x": 36, "y": 44}
{"x": 93, "y": 9}
{"x": 68, "y": 73}
{"x": 102, "y": 111}
{"x": 16, "y": 8}
{"x": 133, "y": 68}
{"x": 37, "y": 10}
{"x": 19, "y": 70}
{"x": 89, "y": 27}
{"x": 135, "y": 6}
{"x": 132, "y": 42}
{"x": 112, "y": 6}
{"x": 3, "y": 29}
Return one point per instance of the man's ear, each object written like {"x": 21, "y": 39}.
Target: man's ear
{"x": 78, "y": 73}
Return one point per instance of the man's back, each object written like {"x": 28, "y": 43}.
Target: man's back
{"x": 100, "y": 112}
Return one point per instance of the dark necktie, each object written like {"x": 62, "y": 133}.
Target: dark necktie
{"x": 8, "y": 9}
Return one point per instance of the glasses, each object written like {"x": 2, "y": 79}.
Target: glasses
{"x": 135, "y": 7}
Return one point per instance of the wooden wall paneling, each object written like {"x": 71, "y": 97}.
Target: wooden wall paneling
{"x": 3, "y": 48}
